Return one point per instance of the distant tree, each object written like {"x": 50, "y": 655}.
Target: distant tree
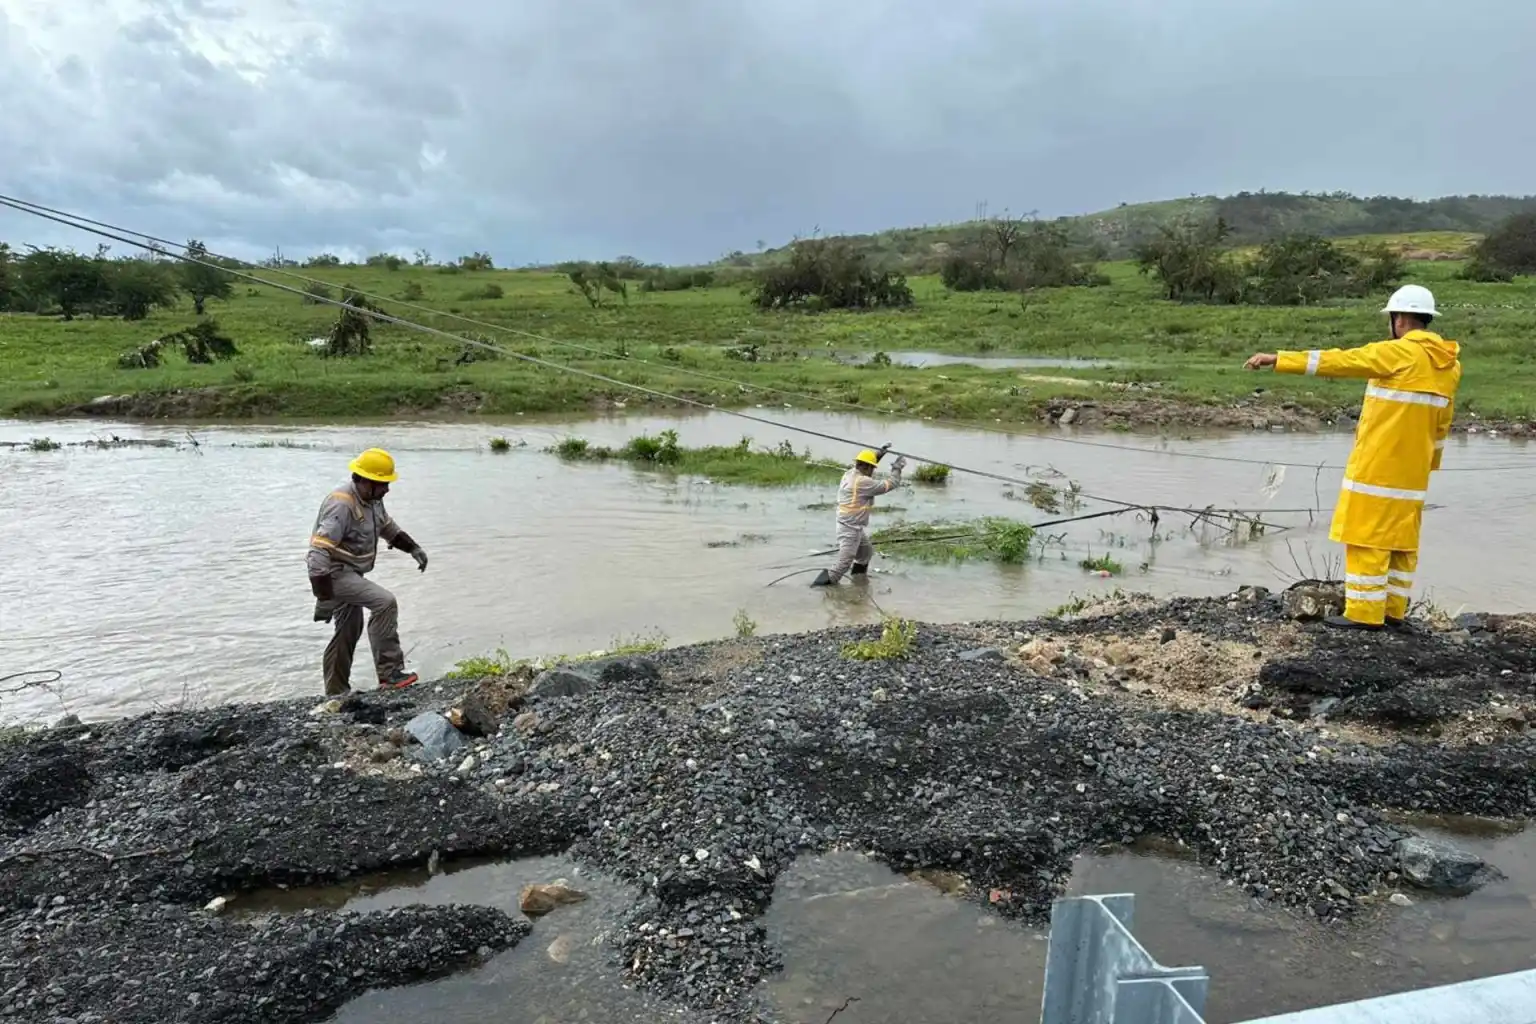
{"x": 323, "y": 259}
{"x": 136, "y": 286}
{"x": 829, "y": 274}
{"x": 477, "y": 261}
{"x": 1510, "y": 248}
{"x": 592, "y": 280}
{"x": 204, "y": 279}
{"x": 1191, "y": 260}
{"x": 8, "y": 286}
{"x": 422, "y": 258}
{"x": 62, "y": 279}
{"x": 387, "y": 260}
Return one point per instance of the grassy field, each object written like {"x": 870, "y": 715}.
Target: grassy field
{"x": 1167, "y": 355}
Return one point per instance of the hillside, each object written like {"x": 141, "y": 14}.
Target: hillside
{"x": 1446, "y": 226}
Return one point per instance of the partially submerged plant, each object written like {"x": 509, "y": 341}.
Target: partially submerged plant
{"x": 43, "y": 444}
{"x": 500, "y": 445}
{"x": 1103, "y": 563}
{"x": 991, "y": 538}
{"x": 898, "y": 638}
{"x": 740, "y": 463}
{"x": 931, "y": 473}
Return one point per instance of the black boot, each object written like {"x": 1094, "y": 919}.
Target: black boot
{"x": 823, "y": 579}
{"x": 860, "y": 570}
{"x": 1340, "y": 622}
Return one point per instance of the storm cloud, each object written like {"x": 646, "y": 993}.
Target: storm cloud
{"x": 678, "y": 130}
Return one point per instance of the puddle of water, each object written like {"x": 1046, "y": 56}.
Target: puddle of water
{"x": 563, "y": 971}
{"x": 847, "y": 926}
{"x": 931, "y": 359}
{"x": 194, "y": 584}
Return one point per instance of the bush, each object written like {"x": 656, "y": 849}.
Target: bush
{"x": 661, "y": 449}
{"x": 202, "y": 343}
{"x": 1509, "y": 249}
{"x": 1304, "y": 269}
{"x": 477, "y": 261}
{"x": 970, "y": 271}
{"x": 1191, "y": 261}
{"x": 485, "y": 291}
{"x": 138, "y": 286}
{"x": 1480, "y": 270}
{"x": 412, "y": 292}
{"x": 317, "y": 292}
{"x": 830, "y": 274}
{"x": 676, "y": 280}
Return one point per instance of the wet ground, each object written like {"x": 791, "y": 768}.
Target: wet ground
{"x": 923, "y": 360}
{"x": 738, "y": 814}
{"x": 196, "y": 591}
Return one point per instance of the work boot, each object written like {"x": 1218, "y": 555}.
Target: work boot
{"x": 1341, "y": 622}
{"x": 1392, "y": 623}
{"x": 860, "y": 570}
{"x": 823, "y": 579}
{"x": 399, "y": 679}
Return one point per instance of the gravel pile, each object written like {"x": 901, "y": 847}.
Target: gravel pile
{"x": 701, "y": 774}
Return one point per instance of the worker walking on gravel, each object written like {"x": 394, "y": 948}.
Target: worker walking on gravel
{"x": 342, "y": 549}
{"x": 855, "y": 497}
{"x": 1409, "y": 403}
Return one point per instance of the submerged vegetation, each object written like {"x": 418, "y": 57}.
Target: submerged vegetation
{"x": 1102, "y": 564}
{"x": 931, "y": 473}
{"x": 991, "y": 538}
{"x": 740, "y": 463}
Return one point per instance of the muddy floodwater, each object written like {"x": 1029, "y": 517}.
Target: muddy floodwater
{"x": 154, "y": 576}
{"x": 897, "y": 948}
{"x": 924, "y": 360}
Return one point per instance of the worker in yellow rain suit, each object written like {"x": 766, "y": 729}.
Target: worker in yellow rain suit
{"x": 855, "y": 497}
{"x": 1409, "y": 402}
{"x": 342, "y": 549}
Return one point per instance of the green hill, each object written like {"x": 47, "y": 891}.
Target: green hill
{"x": 1444, "y": 227}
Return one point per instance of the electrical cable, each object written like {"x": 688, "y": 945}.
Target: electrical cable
{"x": 159, "y": 245}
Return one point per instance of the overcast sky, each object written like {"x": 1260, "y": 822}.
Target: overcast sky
{"x": 679, "y": 130}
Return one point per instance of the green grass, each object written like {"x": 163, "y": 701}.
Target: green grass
{"x": 745, "y": 625}
{"x": 1186, "y": 355}
{"x": 501, "y": 663}
{"x": 991, "y": 538}
{"x": 740, "y": 463}
{"x": 898, "y": 638}
{"x": 500, "y": 445}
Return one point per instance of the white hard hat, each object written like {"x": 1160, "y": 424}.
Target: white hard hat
{"x": 1411, "y": 298}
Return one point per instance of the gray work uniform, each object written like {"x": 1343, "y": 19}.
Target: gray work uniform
{"x": 343, "y": 546}
{"x": 855, "y": 497}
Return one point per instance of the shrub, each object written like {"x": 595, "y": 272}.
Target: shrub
{"x": 1509, "y": 248}
{"x": 317, "y": 292}
{"x": 829, "y": 274}
{"x": 931, "y": 473}
{"x": 485, "y": 291}
{"x": 412, "y": 292}
{"x": 1191, "y": 261}
{"x": 898, "y": 638}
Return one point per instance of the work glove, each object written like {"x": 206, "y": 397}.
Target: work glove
{"x": 324, "y": 610}
{"x": 900, "y": 463}
{"x": 420, "y": 554}
{"x": 880, "y": 452}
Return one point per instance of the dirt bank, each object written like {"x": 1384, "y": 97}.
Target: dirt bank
{"x": 996, "y": 751}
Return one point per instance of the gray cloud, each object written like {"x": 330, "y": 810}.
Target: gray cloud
{"x": 682, "y": 129}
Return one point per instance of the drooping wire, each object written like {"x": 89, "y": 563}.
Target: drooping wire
{"x": 160, "y": 245}
{"x": 67, "y": 221}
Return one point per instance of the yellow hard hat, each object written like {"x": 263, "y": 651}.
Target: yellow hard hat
{"x": 868, "y": 456}
{"x": 375, "y": 464}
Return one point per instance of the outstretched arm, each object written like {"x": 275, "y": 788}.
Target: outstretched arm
{"x": 1378, "y": 359}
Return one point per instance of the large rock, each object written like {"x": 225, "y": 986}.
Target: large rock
{"x": 1442, "y": 867}
{"x": 437, "y": 736}
{"x": 562, "y": 681}
{"x": 1311, "y": 600}
{"x": 538, "y": 900}
{"x": 625, "y": 670}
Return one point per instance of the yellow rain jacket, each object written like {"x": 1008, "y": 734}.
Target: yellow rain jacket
{"x": 1404, "y": 422}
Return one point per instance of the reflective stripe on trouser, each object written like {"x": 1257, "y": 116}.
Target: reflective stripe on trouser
{"x": 1377, "y": 583}
{"x": 852, "y": 546}
{"x": 353, "y": 595}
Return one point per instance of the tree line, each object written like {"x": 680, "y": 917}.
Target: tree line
{"x": 68, "y": 283}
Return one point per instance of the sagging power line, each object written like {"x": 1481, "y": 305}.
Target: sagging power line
{"x": 82, "y": 224}
{"x": 165, "y": 247}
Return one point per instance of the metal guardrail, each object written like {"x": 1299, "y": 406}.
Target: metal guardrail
{"x": 1096, "y": 972}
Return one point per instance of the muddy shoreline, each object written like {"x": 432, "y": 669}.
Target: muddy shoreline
{"x": 1277, "y": 751}
{"x": 1124, "y": 412}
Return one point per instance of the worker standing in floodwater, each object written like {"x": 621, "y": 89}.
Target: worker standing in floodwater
{"x": 1409, "y": 403}
{"x": 855, "y": 497}
{"x": 342, "y": 549}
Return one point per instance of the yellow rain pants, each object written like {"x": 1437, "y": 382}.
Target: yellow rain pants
{"x": 1404, "y": 421}
{"x": 1378, "y": 583}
